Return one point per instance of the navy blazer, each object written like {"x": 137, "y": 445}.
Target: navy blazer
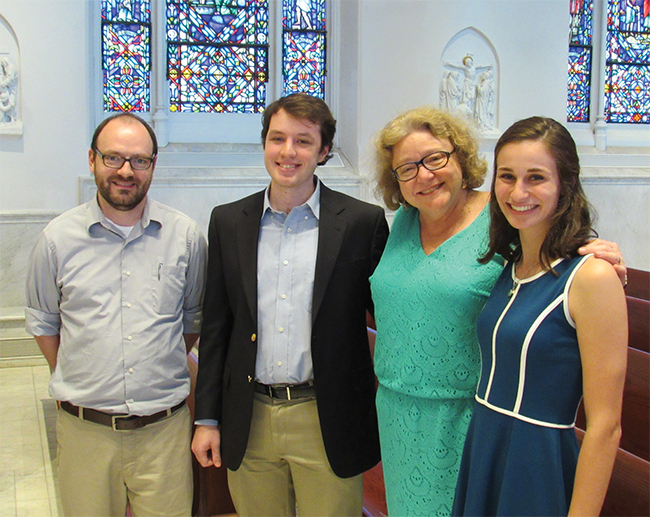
{"x": 352, "y": 236}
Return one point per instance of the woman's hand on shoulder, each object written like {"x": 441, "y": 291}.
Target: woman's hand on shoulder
{"x": 610, "y": 252}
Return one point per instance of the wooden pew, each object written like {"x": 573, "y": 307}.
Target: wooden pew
{"x": 211, "y": 494}
{"x": 629, "y": 489}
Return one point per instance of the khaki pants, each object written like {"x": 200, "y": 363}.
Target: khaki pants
{"x": 286, "y": 468}
{"x": 101, "y": 469}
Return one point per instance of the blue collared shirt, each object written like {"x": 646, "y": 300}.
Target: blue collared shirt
{"x": 120, "y": 306}
{"x": 286, "y": 259}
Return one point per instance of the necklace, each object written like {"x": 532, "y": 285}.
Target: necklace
{"x": 516, "y": 281}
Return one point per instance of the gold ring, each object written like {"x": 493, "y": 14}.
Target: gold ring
{"x": 619, "y": 259}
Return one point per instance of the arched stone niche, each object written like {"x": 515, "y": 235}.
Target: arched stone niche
{"x": 470, "y": 79}
{"x": 10, "y": 103}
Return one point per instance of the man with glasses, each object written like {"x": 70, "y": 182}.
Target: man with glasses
{"x": 114, "y": 294}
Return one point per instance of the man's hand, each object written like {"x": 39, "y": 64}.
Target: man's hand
{"x": 607, "y": 251}
{"x": 206, "y": 444}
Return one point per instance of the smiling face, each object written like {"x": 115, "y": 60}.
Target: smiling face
{"x": 292, "y": 150}
{"x": 527, "y": 185}
{"x": 435, "y": 194}
{"x": 122, "y": 190}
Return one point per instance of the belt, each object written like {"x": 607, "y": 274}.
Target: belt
{"x": 287, "y": 391}
{"x": 117, "y": 422}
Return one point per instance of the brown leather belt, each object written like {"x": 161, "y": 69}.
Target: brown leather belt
{"x": 287, "y": 391}
{"x": 118, "y": 422}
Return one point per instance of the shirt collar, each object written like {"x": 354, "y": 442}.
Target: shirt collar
{"x": 313, "y": 202}
{"x": 94, "y": 215}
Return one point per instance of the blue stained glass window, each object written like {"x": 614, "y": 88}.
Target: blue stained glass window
{"x": 627, "y": 87}
{"x": 126, "y": 54}
{"x": 217, "y": 53}
{"x": 303, "y": 55}
{"x": 580, "y": 59}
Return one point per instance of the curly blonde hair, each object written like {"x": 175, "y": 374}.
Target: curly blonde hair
{"x": 441, "y": 125}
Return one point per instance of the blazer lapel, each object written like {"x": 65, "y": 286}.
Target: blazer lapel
{"x": 331, "y": 231}
{"x": 246, "y": 234}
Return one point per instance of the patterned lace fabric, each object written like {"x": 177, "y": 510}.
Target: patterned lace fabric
{"x": 427, "y": 359}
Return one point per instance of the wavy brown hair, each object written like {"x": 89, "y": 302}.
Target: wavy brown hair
{"x": 440, "y": 124}
{"x": 571, "y": 224}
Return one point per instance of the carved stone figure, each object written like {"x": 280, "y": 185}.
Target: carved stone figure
{"x": 450, "y": 90}
{"x": 8, "y": 80}
{"x": 484, "y": 110}
{"x": 476, "y": 97}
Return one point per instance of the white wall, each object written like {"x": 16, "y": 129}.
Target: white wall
{"x": 401, "y": 44}
{"x": 40, "y": 170}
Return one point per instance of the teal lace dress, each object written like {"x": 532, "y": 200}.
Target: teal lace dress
{"x": 427, "y": 359}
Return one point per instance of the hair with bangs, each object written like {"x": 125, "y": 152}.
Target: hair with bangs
{"x": 441, "y": 125}
{"x": 306, "y": 107}
{"x": 571, "y": 224}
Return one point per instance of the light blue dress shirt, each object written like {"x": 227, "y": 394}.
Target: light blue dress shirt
{"x": 120, "y": 305}
{"x": 286, "y": 263}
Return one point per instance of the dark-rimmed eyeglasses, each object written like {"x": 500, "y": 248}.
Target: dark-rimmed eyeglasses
{"x": 432, "y": 162}
{"x": 114, "y": 161}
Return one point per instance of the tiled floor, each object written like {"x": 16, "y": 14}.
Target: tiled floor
{"x": 27, "y": 443}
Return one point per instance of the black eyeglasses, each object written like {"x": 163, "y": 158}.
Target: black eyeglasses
{"x": 432, "y": 162}
{"x": 114, "y": 161}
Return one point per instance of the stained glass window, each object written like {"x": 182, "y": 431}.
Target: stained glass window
{"x": 217, "y": 53}
{"x": 627, "y": 83}
{"x": 580, "y": 58}
{"x": 303, "y": 53}
{"x": 126, "y": 54}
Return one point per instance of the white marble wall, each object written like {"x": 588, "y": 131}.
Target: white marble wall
{"x": 18, "y": 232}
{"x": 618, "y": 186}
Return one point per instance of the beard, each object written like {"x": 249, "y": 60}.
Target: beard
{"x": 119, "y": 198}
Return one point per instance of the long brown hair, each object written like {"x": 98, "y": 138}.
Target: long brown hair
{"x": 571, "y": 224}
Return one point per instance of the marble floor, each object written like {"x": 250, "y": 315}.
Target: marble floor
{"x": 27, "y": 443}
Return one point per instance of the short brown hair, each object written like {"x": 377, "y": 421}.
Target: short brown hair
{"x": 131, "y": 116}
{"x": 303, "y": 106}
{"x": 440, "y": 124}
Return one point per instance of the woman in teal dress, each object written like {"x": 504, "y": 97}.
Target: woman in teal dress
{"x": 428, "y": 290}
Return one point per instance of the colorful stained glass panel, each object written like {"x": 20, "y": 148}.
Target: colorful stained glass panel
{"x": 225, "y": 79}
{"x": 304, "y": 63}
{"x": 580, "y": 51}
{"x": 578, "y": 84}
{"x": 303, "y": 54}
{"x": 303, "y": 15}
{"x": 217, "y": 53}
{"x": 126, "y": 55}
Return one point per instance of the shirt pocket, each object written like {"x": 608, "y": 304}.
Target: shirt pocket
{"x": 168, "y": 287}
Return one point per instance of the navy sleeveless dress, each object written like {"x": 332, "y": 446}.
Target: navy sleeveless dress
{"x": 521, "y": 450}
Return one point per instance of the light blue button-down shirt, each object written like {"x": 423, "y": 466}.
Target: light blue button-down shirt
{"x": 286, "y": 262}
{"x": 120, "y": 305}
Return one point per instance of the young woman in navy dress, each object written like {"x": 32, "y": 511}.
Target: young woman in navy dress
{"x": 553, "y": 330}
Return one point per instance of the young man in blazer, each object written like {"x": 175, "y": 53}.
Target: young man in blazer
{"x": 285, "y": 388}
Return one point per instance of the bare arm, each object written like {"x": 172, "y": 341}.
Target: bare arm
{"x": 609, "y": 252}
{"x": 597, "y": 305}
{"x": 49, "y": 345}
{"x": 206, "y": 444}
